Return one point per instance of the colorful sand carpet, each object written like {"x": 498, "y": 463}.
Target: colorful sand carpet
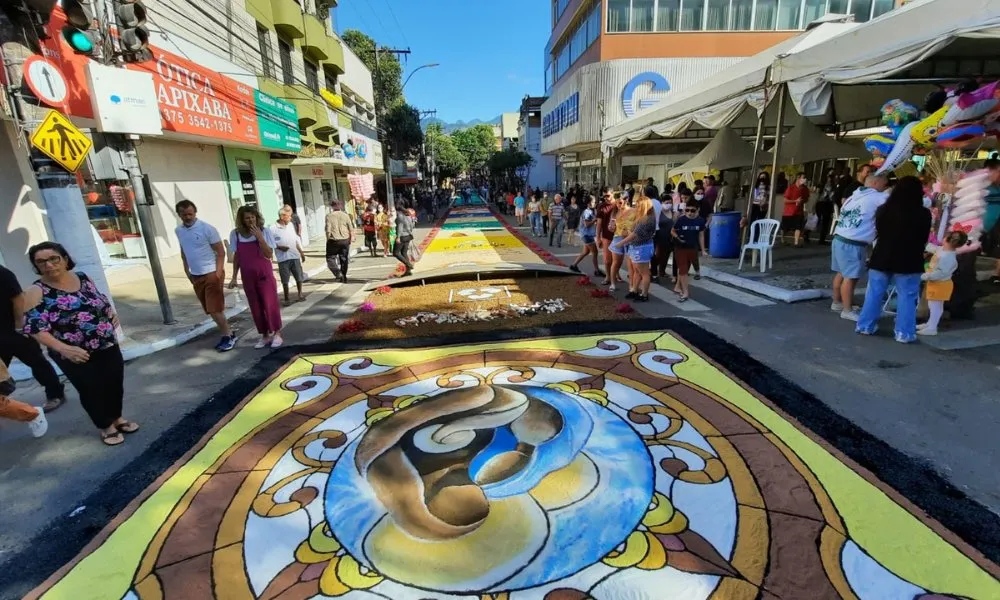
{"x": 472, "y": 236}
{"x": 621, "y": 461}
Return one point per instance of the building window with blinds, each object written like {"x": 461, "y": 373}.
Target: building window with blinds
{"x": 285, "y": 52}
{"x": 312, "y": 77}
{"x": 717, "y": 15}
{"x": 618, "y": 15}
{"x": 264, "y": 45}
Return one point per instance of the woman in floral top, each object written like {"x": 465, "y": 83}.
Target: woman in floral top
{"x": 77, "y": 323}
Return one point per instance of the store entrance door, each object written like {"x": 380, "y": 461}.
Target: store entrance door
{"x": 248, "y": 182}
{"x": 287, "y": 188}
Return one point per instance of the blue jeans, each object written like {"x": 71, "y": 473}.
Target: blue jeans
{"x": 536, "y": 223}
{"x": 907, "y": 296}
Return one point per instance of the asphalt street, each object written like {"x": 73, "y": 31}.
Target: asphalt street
{"x": 942, "y": 408}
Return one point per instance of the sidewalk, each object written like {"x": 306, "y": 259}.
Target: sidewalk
{"x": 139, "y": 308}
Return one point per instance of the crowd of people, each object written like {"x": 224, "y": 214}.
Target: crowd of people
{"x": 66, "y": 314}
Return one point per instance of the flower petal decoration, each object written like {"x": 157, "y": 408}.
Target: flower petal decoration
{"x": 624, "y": 308}
{"x": 599, "y": 293}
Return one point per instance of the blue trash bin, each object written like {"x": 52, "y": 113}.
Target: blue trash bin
{"x": 724, "y": 235}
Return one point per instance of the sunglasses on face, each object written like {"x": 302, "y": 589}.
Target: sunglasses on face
{"x": 691, "y": 210}
{"x": 52, "y": 260}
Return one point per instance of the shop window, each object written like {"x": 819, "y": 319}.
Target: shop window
{"x": 717, "y": 15}
{"x": 789, "y": 13}
{"x": 285, "y": 51}
{"x": 767, "y": 15}
{"x": 642, "y": 15}
{"x": 111, "y": 210}
{"x": 264, "y": 45}
{"x": 839, "y": 7}
{"x": 862, "y": 10}
{"x": 248, "y": 182}
{"x": 594, "y": 25}
{"x": 667, "y": 15}
{"x": 814, "y": 9}
{"x": 881, "y": 7}
{"x": 305, "y": 187}
{"x": 692, "y": 15}
{"x": 312, "y": 76}
{"x": 618, "y": 16}
{"x": 742, "y": 15}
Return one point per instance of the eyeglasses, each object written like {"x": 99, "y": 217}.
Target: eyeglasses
{"x": 52, "y": 260}
{"x": 691, "y": 210}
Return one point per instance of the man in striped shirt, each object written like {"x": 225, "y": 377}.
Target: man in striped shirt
{"x": 557, "y": 221}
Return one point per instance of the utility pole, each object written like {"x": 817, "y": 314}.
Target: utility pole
{"x": 433, "y": 164}
{"x": 390, "y": 198}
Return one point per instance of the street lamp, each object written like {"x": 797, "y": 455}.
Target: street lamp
{"x": 428, "y": 66}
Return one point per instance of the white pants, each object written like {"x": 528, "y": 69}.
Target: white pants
{"x": 937, "y": 309}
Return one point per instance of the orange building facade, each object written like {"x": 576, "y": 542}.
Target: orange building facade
{"x": 608, "y": 60}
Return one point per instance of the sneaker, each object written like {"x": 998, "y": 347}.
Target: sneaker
{"x": 837, "y": 307}
{"x": 641, "y": 298}
{"x": 612, "y": 288}
{"x": 276, "y": 342}
{"x": 227, "y": 343}
{"x": 574, "y": 268}
{"x": 903, "y": 340}
{"x": 631, "y": 295}
{"x": 598, "y": 273}
{"x": 39, "y": 425}
{"x": 697, "y": 276}
{"x": 926, "y": 331}
{"x": 262, "y": 343}
{"x": 850, "y": 315}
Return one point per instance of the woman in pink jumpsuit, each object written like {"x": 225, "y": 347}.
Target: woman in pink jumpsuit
{"x": 253, "y": 247}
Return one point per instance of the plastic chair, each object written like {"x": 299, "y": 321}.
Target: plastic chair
{"x": 763, "y": 233}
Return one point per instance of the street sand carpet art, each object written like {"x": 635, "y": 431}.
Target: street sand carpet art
{"x": 623, "y": 464}
{"x": 474, "y": 237}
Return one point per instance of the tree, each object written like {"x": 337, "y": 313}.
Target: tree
{"x": 476, "y": 144}
{"x": 503, "y": 167}
{"x": 448, "y": 160}
{"x": 402, "y": 130}
{"x": 387, "y": 78}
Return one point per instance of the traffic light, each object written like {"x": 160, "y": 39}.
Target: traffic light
{"x": 30, "y": 16}
{"x": 132, "y": 32}
{"x": 81, "y": 32}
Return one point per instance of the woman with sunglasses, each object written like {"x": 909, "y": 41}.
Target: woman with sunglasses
{"x": 77, "y": 323}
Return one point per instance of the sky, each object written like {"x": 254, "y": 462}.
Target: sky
{"x": 490, "y": 51}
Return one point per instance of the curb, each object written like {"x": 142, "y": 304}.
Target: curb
{"x": 769, "y": 291}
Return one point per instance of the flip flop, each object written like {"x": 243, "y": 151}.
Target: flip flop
{"x": 113, "y": 439}
{"x": 127, "y": 427}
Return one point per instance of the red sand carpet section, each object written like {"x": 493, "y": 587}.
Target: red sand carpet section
{"x": 602, "y": 461}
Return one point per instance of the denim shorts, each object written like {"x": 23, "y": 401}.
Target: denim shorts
{"x": 850, "y": 260}
{"x": 588, "y": 239}
{"x": 641, "y": 253}
{"x": 616, "y": 247}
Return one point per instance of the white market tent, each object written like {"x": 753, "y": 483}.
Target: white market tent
{"x": 720, "y": 99}
{"x": 807, "y": 143}
{"x": 726, "y": 151}
{"x": 817, "y": 65}
{"x": 891, "y": 44}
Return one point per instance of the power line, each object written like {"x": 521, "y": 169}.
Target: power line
{"x": 393, "y": 13}
{"x": 385, "y": 31}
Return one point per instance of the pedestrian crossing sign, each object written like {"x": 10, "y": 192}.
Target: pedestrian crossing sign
{"x": 61, "y": 141}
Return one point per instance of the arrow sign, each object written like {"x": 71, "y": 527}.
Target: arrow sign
{"x": 45, "y": 81}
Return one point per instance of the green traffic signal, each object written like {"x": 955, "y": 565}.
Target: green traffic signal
{"x": 78, "y": 41}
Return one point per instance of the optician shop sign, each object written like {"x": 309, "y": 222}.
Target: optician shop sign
{"x": 192, "y": 99}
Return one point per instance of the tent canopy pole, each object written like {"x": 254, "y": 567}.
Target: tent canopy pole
{"x": 778, "y": 135}
{"x": 758, "y": 142}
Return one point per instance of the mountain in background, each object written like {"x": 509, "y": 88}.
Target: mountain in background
{"x": 452, "y": 127}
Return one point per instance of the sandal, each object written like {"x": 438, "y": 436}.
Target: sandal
{"x": 112, "y": 439}
{"x": 53, "y": 404}
{"x": 127, "y": 427}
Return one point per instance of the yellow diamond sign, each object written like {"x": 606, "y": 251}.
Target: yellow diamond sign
{"x": 61, "y": 141}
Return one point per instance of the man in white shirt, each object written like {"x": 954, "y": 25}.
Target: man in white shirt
{"x": 204, "y": 257}
{"x": 852, "y": 238}
{"x": 288, "y": 252}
